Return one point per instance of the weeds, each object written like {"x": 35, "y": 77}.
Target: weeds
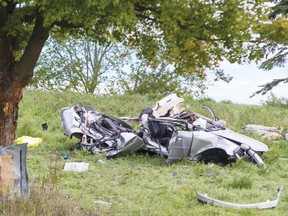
{"x": 45, "y": 199}
{"x": 273, "y": 100}
{"x": 244, "y": 182}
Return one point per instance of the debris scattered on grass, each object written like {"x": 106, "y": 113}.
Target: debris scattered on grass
{"x": 31, "y": 141}
{"x": 65, "y": 156}
{"x": 208, "y": 174}
{"x": 102, "y": 202}
{"x": 212, "y": 165}
{"x": 44, "y": 126}
{"x": 76, "y": 166}
{"x": 101, "y": 161}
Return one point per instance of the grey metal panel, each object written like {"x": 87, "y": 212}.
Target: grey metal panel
{"x": 127, "y": 143}
{"x": 70, "y": 121}
{"x": 19, "y": 153}
{"x": 180, "y": 145}
{"x": 203, "y": 141}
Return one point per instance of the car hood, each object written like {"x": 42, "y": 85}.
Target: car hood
{"x": 239, "y": 138}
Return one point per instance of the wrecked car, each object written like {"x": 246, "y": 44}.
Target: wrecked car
{"x": 167, "y": 129}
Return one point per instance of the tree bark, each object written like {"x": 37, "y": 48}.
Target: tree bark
{"x": 9, "y": 107}
{"x": 10, "y": 92}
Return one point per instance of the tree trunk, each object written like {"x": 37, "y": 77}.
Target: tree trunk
{"x": 15, "y": 75}
{"x": 11, "y": 94}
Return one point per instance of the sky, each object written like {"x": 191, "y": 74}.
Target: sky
{"x": 246, "y": 79}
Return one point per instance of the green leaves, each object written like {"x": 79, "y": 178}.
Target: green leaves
{"x": 192, "y": 35}
{"x": 274, "y": 33}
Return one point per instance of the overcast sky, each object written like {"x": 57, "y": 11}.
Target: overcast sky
{"x": 246, "y": 79}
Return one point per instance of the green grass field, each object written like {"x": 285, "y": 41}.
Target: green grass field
{"x": 142, "y": 184}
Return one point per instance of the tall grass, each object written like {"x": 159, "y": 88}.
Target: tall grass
{"x": 142, "y": 184}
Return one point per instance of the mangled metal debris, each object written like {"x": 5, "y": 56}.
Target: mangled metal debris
{"x": 167, "y": 129}
{"x": 97, "y": 132}
{"x": 262, "y": 205}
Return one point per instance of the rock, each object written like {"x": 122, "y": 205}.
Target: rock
{"x": 270, "y": 136}
{"x": 269, "y": 133}
{"x": 260, "y": 129}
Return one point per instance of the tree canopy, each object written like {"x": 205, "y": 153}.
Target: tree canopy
{"x": 191, "y": 35}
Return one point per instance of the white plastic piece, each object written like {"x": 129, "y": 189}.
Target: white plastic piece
{"x": 200, "y": 123}
{"x": 170, "y": 104}
{"x": 102, "y": 202}
{"x": 76, "y": 166}
{"x": 261, "y": 205}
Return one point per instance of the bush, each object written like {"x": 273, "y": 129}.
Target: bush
{"x": 273, "y": 100}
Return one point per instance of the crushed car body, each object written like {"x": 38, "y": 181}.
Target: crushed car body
{"x": 97, "y": 132}
{"x": 167, "y": 129}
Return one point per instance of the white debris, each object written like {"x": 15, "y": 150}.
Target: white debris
{"x": 102, "y": 202}
{"x": 168, "y": 106}
{"x": 101, "y": 161}
{"x": 202, "y": 123}
{"x": 76, "y": 166}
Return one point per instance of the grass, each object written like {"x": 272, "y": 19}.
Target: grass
{"x": 143, "y": 184}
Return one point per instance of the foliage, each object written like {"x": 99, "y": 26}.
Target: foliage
{"x": 192, "y": 35}
{"x": 269, "y": 86}
{"x": 273, "y": 100}
{"x": 281, "y": 8}
{"x": 275, "y": 51}
{"x": 77, "y": 64}
{"x": 141, "y": 184}
{"x": 83, "y": 65}
{"x": 142, "y": 79}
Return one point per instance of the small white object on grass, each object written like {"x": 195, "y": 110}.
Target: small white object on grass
{"x": 76, "y": 166}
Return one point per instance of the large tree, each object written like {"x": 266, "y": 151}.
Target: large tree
{"x": 77, "y": 64}
{"x": 193, "y": 34}
{"x": 138, "y": 77}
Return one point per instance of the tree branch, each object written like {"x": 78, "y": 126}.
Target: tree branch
{"x": 269, "y": 86}
{"x": 66, "y": 24}
{"x": 24, "y": 69}
{"x": 141, "y": 8}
